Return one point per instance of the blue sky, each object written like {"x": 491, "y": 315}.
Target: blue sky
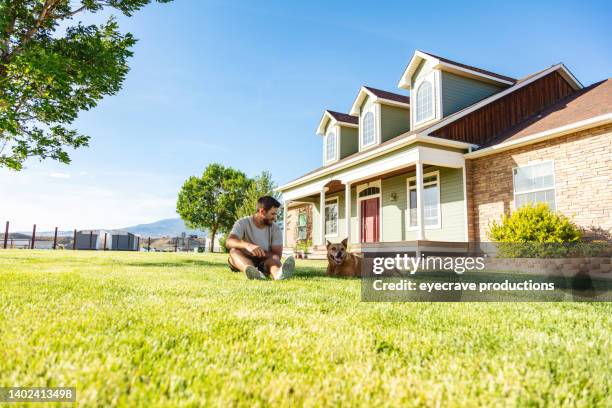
{"x": 244, "y": 84}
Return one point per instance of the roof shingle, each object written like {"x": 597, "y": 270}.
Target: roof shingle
{"x": 343, "y": 117}
{"x": 389, "y": 95}
{"x": 482, "y": 71}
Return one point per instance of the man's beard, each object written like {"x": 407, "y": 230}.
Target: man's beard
{"x": 267, "y": 221}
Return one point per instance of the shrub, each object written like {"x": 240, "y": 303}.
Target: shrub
{"x": 534, "y": 231}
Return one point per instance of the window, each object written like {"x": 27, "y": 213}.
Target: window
{"x": 302, "y": 226}
{"x": 431, "y": 201}
{"x": 369, "y": 191}
{"x": 424, "y": 102}
{"x": 331, "y": 217}
{"x": 535, "y": 183}
{"x": 367, "y": 133}
{"x": 330, "y": 146}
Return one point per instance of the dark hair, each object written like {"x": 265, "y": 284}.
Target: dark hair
{"x": 267, "y": 202}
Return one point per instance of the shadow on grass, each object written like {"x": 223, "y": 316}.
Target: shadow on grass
{"x": 186, "y": 263}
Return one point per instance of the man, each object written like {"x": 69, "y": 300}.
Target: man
{"x": 256, "y": 244}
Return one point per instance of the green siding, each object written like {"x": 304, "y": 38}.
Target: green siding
{"x": 452, "y": 208}
{"x": 459, "y": 92}
{"x": 394, "y": 121}
{"x": 349, "y": 141}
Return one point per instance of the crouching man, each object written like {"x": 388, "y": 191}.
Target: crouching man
{"x": 255, "y": 244}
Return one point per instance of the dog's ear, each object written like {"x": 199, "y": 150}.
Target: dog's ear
{"x": 345, "y": 242}
{"x": 328, "y": 244}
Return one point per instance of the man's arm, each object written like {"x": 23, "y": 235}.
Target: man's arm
{"x": 234, "y": 242}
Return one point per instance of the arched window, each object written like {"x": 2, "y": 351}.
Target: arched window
{"x": 424, "y": 102}
{"x": 369, "y": 191}
{"x": 330, "y": 146}
{"x": 367, "y": 133}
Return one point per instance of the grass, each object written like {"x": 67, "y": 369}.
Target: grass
{"x": 137, "y": 329}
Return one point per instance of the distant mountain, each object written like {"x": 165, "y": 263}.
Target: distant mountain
{"x": 170, "y": 227}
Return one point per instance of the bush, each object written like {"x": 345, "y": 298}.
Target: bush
{"x": 534, "y": 231}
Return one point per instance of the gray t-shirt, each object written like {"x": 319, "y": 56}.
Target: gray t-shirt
{"x": 266, "y": 237}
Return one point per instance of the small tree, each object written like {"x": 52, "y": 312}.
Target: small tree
{"x": 261, "y": 185}
{"x": 533, "y": 230}
{"x": 212, "y": 200}
{"x": 51, "y": 69}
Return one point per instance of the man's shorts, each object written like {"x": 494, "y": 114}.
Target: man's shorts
{"x": 258, "y": 262}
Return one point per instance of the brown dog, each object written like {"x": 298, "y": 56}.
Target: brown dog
{"x": 340, "y": 262}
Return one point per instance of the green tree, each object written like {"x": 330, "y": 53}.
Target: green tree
{"x": 211, "y": 201}
{"x": 48, "y": 75}
{"x": 261, "y": 185}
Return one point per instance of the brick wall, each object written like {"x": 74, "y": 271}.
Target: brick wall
{"x": 583, "y": 175}
{"x": 292, "y": 219}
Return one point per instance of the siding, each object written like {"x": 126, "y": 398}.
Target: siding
{"x": 459, "y": 92}
{"x": 484, "y": 124}
{"x": 349, "y": 141}
{"x": 452, "y": 208}
{"x": 395, "y": 121}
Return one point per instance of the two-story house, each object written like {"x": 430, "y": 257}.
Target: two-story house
{"x": 466, "y": 147}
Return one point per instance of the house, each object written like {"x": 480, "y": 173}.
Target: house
{"x": 467, "y": 146}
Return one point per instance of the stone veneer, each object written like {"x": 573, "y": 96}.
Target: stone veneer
{"x": 583, "y": 180}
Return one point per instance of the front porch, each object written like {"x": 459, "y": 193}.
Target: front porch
{"x": 402, "y": 202}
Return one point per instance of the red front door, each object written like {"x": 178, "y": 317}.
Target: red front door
{"x": 369, "y": 220}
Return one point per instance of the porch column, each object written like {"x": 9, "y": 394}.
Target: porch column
{"x": 285, "y": 223}
{"x": 347, "y": 210}
{"x": 420, "y": 209}
{"x": 322, "y": 216}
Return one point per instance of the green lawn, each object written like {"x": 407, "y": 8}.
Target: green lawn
{"x": 181, "y": 329}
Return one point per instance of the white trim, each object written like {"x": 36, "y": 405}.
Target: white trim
{"x": 451, "y": 118}
{"x": 535, "y": 190}
{"x": 375, "y": 152}
{"x": 331, "y": 201}
{"x": 452, "y": 67}
{"x": 544, "y": 135}
{"x": 408, "y": 188}
{"x": 359, "y": 188}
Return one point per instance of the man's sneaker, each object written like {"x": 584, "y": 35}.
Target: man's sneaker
{"x": 254, "y": 273}
{"x": 287, "y": 268}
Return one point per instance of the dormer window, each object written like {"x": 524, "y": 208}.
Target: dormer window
{"x": 330, "y": 146}
{"x": 424, "y": 102}
{"x": 367, "y": 135}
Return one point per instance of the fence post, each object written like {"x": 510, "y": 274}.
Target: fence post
{"x": 55, "y": 239}
{"x": 176, "y": 244}
{"x": 6, "y": 230}
{"x": 74, "y": 240}
{"x": 90, "y": 239}
{"x": 187, "y": 244}
{"x": 138, "y": 244}
{"x": 105, "y": 235}
{"x": 149, "y": 245}
{"x": 33, "y": 236}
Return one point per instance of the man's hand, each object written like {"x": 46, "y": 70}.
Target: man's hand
{"x": 256, "y": 250}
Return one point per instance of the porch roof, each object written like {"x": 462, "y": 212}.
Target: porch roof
{"x": 386, "y": 147}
